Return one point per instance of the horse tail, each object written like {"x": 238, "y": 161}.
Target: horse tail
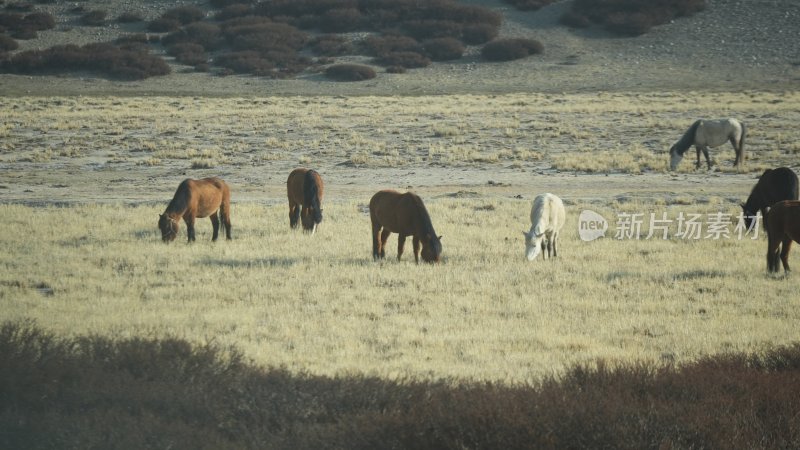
{"x": 311, "y": 193}
{"x": 224, "y": 213}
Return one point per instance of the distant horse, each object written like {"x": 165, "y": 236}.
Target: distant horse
{"x": 197, "y": 198}
{"x": 709, "y": 133}
{"x": 783, "y": 227}
{"x": 773, "y": 186}
{"x": 305, "y": 189}
{"x": 404, "y": 214}
{"x": 547, "y": 218}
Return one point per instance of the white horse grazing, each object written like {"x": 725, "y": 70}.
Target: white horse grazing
{"x": 709, "y": 133}
{"x": 547, "y": 218}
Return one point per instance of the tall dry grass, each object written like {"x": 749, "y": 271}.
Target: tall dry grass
{"x": 320, "y": 305}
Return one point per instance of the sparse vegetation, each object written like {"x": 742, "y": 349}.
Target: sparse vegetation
{"x": 629, "y": 17}
{"x": 350, "y": 72}
{"x": 511, "y": 49}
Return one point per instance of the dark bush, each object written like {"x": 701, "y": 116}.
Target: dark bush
{"x": 24, "y": 34}
{"x": 529, "y": 5}
{"x": 350, "y": 72}
{"x": 396, "y": 69}
{"x": 7, "y": 43}
{"x": 443, "y": 49}
{"x": 233, "y": 11}
{"x": 341, "y": 20}
{"x": 95, "y": 17}
{"x": 511, "y": 49}
{"x": 629, "y": 17}
{"x": 130, "y": 17}
{"x": 39, "y": 21}
{"x": 226, "y": 3}
{"x": 184, "y": 14}
{"x": 106, "y": 59}
{"x": 245, "y": 62}
{"x": 266, "y": 36}
{"x": 331, "y": 45}
{"x": 137, "y": 38}
{"x": 22, "y": 7}
{"x": 410, "y": 60}
{"x": 478, "y": 34}
{"x": 162, "y": 25}
{"x": 427, "y": 29}
{"x": 208, "y": 35}
{"x": 26, "y": 26}
{"x": 382, "y": 45}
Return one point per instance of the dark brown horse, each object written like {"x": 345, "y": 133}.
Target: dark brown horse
{"x": 197, "y": 198}
{"x": 305, "y": 189}
{"x": 773, "y": 186}
{"x": 783, "y": 227}
{"x": 404, "y": 214}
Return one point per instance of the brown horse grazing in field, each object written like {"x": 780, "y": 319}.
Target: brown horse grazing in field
{"x": 305, "y": 189}
{"x": 197, "y": 198}
{"x": 404, "y": 214}
{"x": 783, "y": 227}
{"x": 773, "y": 186}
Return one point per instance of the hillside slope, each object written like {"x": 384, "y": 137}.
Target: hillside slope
{"x": 732, "y": 45}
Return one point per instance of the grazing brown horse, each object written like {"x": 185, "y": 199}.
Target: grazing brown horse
{"x": 783, "y": 227}
{"x": 197, "y": 198}
{"x": 773, "y": 186}
{"x": 305, "y": 189}
{"x": 404, "y": 214}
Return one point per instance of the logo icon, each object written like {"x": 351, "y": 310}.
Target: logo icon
{"x": 591, "y": 225}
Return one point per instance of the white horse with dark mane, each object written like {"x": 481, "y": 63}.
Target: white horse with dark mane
{"x": 547, "y": 218}
{"x": 709, "y": 133}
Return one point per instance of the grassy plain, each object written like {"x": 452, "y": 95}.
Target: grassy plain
{"x": 87, "y": 258}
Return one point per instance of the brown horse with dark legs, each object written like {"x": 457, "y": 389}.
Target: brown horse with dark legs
{"x": 304, "y": 188}
{"x": 404, "y": 214}
{"x": 197, "y": 198}
{"x": 783, "y": 227}
{"x": 773, "y": 186}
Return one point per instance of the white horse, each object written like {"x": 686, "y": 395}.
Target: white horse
{"x": 709, "y": 133}
{"x": 547, "y": 218}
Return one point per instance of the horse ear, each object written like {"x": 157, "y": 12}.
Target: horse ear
{"x": 440, "y": 237}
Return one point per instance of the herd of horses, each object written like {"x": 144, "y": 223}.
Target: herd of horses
{"x": 775, "y": 196}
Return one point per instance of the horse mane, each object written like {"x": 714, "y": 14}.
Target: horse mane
{"x": 311, "y": 193}
{"x": 180, "y": 201}
{"x": 687, "y": 139}
{"x": 427, "y": 225}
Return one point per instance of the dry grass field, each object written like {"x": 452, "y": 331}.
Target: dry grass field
{"x": 84, "y": 178}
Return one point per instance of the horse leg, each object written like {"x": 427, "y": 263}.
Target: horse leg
{"x": 736, "y": 151}
{"x": 214, "y": 226}
{"x": 415, "y": 241}
{"x": 697, "y": 164}
{"x": 225, "y": 218}
{"x": 550, "y": 247}
{"x": 189, "y": 219}
{"x": 401, "y": 242}
{"x": 376, "y": 241}
{"x": 772, "y": 252}
{"x": 384, "y": 237}
{"x": 787, "y": 245}
{"x": 708, "y": 160}
{"x": 555, "y": 245}
{"x": 294, "y": 214}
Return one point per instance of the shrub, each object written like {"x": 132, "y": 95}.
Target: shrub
{"x": 410, "y": 60}
{"x": 341, "y": 20}
{"x": 106, "y": 59}
{"x": 184, "y": 14}
{"x": 163, "y": 25}
{"x": 395, "y": 69}
{"x": 245, "y": 62}
{"x": 382, "y": 45}
{"x": 350, "y": 72}
{"x": 95, "y": 17}
{"x": 443, "y": 49}
{"x": 629, "y": 17}
{"x": 478, "y": 34}
{"x": 511, "y": 49}
{"x": 266, "y": 36}
{"x": 233, "y": 11}
{"x": 26, "y": 26}
{"x": 39, "y": 21}
{"x": 208, "y": 35}
{"x": 130, "y": 17}
{"x": 529, "y": 5}
{"x": 7, "y": 43}
{"x": 331, "y": 45}
{"x": 426, "y": 28}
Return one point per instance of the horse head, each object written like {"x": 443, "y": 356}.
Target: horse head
{"x": 675, "y": 157}
{"x": 532, "y": 244}
{"x": 431, "y": 249}
{"x": 168, "y": 227}
{"x": 748, "y": 215}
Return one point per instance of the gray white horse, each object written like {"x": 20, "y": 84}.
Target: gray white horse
{"x": 547, "y": 219}
{"x": 709, "y": 133}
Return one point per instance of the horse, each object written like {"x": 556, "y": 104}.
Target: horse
{"x": 783, "y": 227}
{"x": 197, "y": 198}
{"x": 304, "y": 188}
{"x": 404, "y": 214}
{"x": 709, "y": 133}
{"x": 547, "y": 219}
{"x": 773, "y": 186}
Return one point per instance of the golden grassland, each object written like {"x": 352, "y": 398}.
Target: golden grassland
{"x": 319, "y": 304}
{"x": 603, "y": 132}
